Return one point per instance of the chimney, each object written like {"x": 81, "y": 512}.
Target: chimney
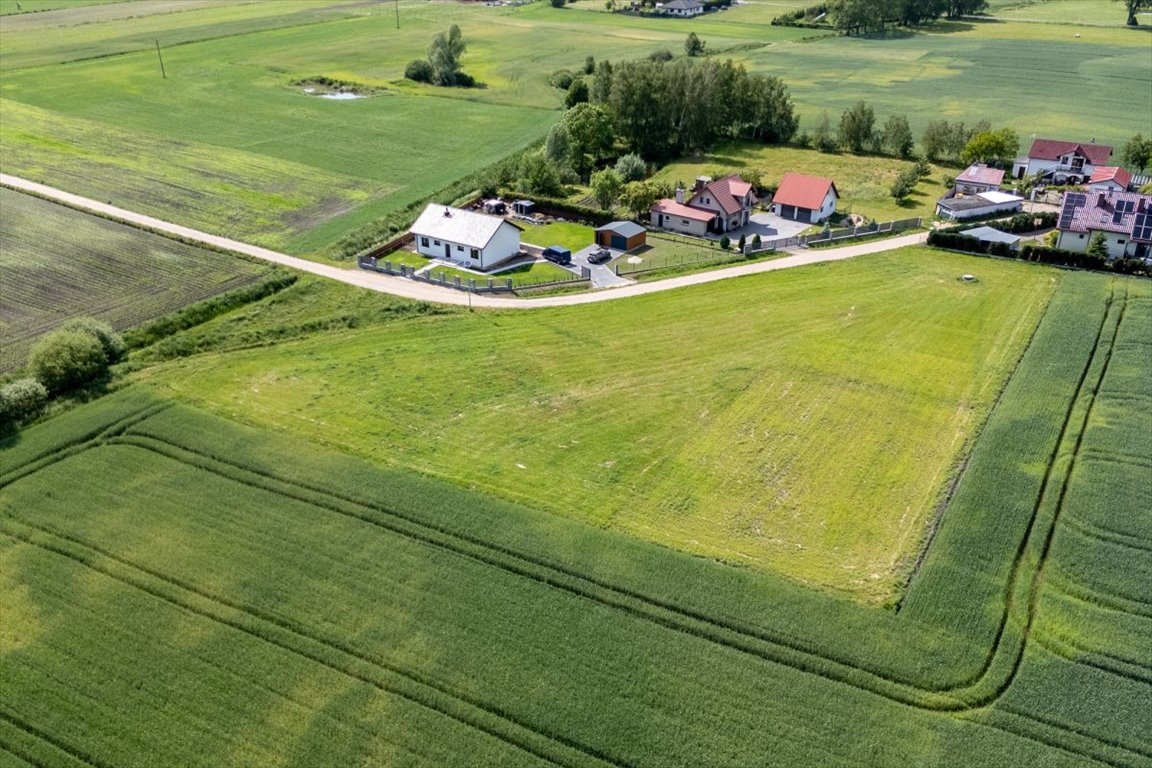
{"x": 447, "y": 212}
{"x": 701, "y": 182}
{"x": 680, "y": 194}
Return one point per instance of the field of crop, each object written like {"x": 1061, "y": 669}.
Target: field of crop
{"x": 60, "y": 263}
{"x": 227, "y": 144}
{"x": 645, "y": 416}
{"x": 258, "y": 600}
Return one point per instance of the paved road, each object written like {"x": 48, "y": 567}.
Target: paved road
{"x": 410, "y": 289}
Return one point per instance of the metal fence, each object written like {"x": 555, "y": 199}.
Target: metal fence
{"x": 470, "y": 284}
{"x": 834, "y": 235}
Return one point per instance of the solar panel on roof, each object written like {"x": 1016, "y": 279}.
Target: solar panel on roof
{"x": 1123, "y": 208}
{"x": 1142, "y": 230}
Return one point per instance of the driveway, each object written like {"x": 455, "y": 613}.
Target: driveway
{"x": 603, "y": 276}
{"x": 410, "y": 289}
{"x": 769, "y": 226}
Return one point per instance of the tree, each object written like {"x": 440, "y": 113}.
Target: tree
{"x": 740, "y": 245}
{"x": 66, "y": 359}
{"x": 693, "y": 46}
{"x": 558, "y": 146}
{"x": 589, "y": 65}
{"x": 897, "y": 136}
{"x": 822, "y": 137}
{"x": 110, "y": 341}
{"x": 631, "y": 167}
{"x": 538, "y": 176}
{"x": 661, "y": 55}
{"x": 856, "y": 127}
{"x": 444, "y": 56}
{"x": 725, "y": 242}
{"x": 606, "y": 187}
{"x": 992, "y": 147}
{"x": 1138, "y": 152}
{"x": 590, "y": 129}
{"x": 639, "y": 196}
{"x": 419, "y": 70}
{"x": 21, "y": 400}
{"x": 1098, "y": 247}
{"x": 577, "y": 93}
{"x": 601, "y": 83}
{"x": 904, "y": 184}
{"x": 934, "y": 140}
{"x": 1133, "y": 6}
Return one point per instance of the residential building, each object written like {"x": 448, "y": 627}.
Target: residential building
{"x": 682, "y": 8}
{"x": 1110, "y": 178}
{"x": 1061, "y": 162}
{"x": 477, "y": 240}
{"x": 979, "y": 178}
{"x": 810, "y": 199}
{"x": 1123, "y": 218}
{"x": 714, "y": 207}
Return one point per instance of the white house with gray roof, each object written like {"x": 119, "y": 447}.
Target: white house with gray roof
{"x": 475, "y": 239}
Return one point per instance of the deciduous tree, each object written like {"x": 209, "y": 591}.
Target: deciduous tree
{"x": 992, "y": 147}
{"x": 897, "y": 136}
{"x": 606, "y": 187}
{"x": 856, "y": 127}
{"x": 693, "y": 45}
{"x": 444, "y": 56}
{"x": 1138, "y": 152}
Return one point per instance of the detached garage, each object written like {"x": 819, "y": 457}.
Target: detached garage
{"x": 621, "y": 235}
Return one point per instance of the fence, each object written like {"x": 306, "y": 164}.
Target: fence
{"x": 470, "y": 284}
{"x": 834, "y": 235}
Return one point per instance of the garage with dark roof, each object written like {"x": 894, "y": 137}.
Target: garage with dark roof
{"x": 621, "y": 235}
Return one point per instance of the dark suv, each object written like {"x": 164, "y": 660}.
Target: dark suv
{"x": 558, "y": 254}
{"x": 600, "y": 257}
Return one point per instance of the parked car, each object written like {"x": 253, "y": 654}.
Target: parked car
{"x": 600, "y": 257}
{"x": 558, "y": 254}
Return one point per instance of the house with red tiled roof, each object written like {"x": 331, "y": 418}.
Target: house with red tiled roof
{"x": 1061, "y": 162}
{"x": 805, "y": 198}
{"x": 1110, "y": 178}
{"x": 714, "y": 207}
{"x": 979, "y": 178}
{"x": 1123, "y": 218}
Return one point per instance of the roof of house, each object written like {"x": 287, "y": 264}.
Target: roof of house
{"x": 683, "y": 5}
{"x": 991, "y": 235}
{"x": 670, "y": 207}
{"x": 979, "y": 173}
{"x": 456, "y": 225}
{"x": 1122, "y": 212}
{"x": 804, "y": 191}
{"x": 622, "y": 228}
{"x": 1111, "y": 173}
{"x": 982, "y": 200}
{"x": 729, "y": 193}
{"x": 1052, "y": 149}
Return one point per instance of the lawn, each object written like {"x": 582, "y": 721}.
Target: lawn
{"x": 531, "y": 273}
{"x": 335, "y": 612}
{"x": 60, "y": 263}
{"x": 622, "y": 416}
{"x": 572, "y": 236}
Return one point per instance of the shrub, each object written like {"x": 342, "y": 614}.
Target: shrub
{"x": 755, "y": 241}
{"x": 562, "y": 79}
{"x": 631, "y": 167}
{"x": 20, "y": 401}
{"x": 419, "y": 70}
{"x": 725, "y": 242}
{"x": 67, "y": 358}
{"x": 661, "y": 55}
{"x": 110, "y": 341}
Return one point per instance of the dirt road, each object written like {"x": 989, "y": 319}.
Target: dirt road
{"x": 410, "y": 289}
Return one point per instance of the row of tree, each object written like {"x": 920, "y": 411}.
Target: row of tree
{"x": 862, "y": 16}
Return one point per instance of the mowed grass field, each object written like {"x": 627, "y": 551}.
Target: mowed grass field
{"x": 305, "y": 607}
{"x": 770, "y": 421}
{"x": 227, "y": 144}
{"x": 60, "y": 263}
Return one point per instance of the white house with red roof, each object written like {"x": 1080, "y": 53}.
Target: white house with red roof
{"x": 1123, "y": 218}
{"x": 1110, "y": 178}
{"x": 714, "y": 207}
{"x": 805, "y": 198}
{"x": 979, "y": 178}
{"x": 1061, "y": 162}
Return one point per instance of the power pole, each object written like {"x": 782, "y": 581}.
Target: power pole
{"x": 162, "y": 72}
{"x": 397, "y": 14}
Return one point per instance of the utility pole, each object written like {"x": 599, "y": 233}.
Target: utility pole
{"x": 397, "y": 14}
{"x": 162, "y": 72}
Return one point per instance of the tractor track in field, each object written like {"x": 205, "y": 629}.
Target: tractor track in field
{"x": 416, "y": 291}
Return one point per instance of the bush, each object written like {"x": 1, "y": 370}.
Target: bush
{"x": 67, "y": 358}
{"x": 725, "y": 242}
{"x": 631, "y": 167}
{"x": 419, "y": 70}
{"x": 661, "y": 55}
{"x": 562, "y": 79}
{"x": 20, "y": 401}
{"x": 110, "y": 341}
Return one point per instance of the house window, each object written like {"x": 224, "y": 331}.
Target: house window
{"x": 1119, "y": 242}
{"x": 684, "y": 222}
{"x": 475, "y": 253}
{"x": 436, "y": 241}
{"x": 1081, "y": 236}
{"x": 424, "y": 242}
{"x": 459, "y": 247}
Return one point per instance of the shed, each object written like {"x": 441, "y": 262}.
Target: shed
{"x": 523, "y": 207}
{"x": 495, "y": 206}
{"x": 992, "y": 235}
{"x": 621, "y": 235}
{"x": 975, "y": 206}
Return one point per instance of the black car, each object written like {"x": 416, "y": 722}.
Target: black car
{"x": 599, "y": 257}
{"x": 558, "y": 254}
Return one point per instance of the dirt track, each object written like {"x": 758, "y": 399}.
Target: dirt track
{"x": 410, "y": 289}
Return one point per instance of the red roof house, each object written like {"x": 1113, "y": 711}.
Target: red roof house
{"x": 979, "y": 178}
{"x": 1062, "y": 162}
{"x": 1110, "y": 177}
{"x": 715, "y": 206}
{"x": 805, "y": 198}
{"x": 1123, "y": 219}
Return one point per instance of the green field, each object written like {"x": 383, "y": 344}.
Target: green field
{"x": 698, "y": 419}
{"x": 257, "y": 600}
{"x": 227, "y": 144}
{"x": 59, "y": 264}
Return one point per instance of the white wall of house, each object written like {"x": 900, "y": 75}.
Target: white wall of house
{"x": 504, "y": 244}
{"x": 1106, "y": 186}
{"x": 679, "y": 224}
{"x": 974, "y": 187}
{"x": 973, "y": 213}
{"x": 827, "y": 208}
{"x": 1118, "y": 244}
{"x": 1064, "y": 164}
